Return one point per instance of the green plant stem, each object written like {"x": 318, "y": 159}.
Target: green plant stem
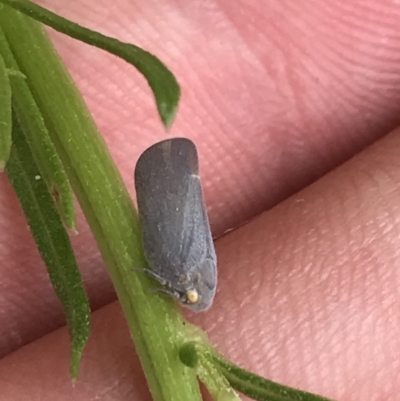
{"x": 154, "y": 321}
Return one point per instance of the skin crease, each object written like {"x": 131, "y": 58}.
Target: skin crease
{"x": 276, "y": 94}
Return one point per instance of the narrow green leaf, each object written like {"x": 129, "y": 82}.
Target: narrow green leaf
{"x": 52, "y": 241}
{"x": 216, "y": 383}
{"x": 255, "y": 386}
{"x": 162, "y": 82}
{"x": 37, "y": 136}
{"x": 192, "y": 355}
{"x": 5, "y": 115}
{"x": 15, "y": 73}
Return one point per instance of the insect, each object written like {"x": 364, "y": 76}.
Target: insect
{"x": 176, "y": 233}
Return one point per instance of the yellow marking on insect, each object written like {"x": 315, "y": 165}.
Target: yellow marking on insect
{"x": 192, "y": 296}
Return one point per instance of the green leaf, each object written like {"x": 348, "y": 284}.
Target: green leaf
{"x": 193, "y": 355}
{"x": 37, "y": 136}
{"x": 162, "y": 82}
{"x": 255, "y": 386}
{"x": 15, "y": 73}
{"x": 5, "y": 115}
{"x": 52, "y": 241}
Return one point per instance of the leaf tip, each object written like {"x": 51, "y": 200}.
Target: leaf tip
{"x": 167, "y": 113}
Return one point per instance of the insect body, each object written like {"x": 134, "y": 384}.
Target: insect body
{"x": 175, "y": 229}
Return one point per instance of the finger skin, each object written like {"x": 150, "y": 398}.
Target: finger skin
{"x": 308, "y": 297}
{"x": 319, "y": 279}
{"x": 275, "y": 96}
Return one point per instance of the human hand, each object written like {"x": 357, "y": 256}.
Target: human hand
{"x": 275, "y": 95}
